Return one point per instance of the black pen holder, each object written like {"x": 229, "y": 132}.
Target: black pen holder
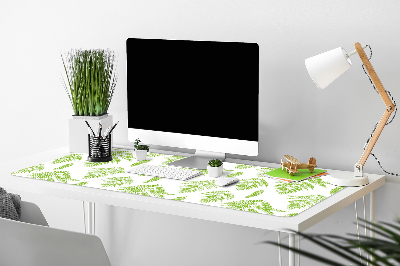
{"x": 99, "y": 149}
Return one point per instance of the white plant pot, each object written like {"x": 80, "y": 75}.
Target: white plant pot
{"x": 214, "y": 171}
{"x": 141, "y": 155}
{"x": 78, "y": 131}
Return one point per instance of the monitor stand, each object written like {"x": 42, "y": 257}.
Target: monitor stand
{"x": 199, "y": 160}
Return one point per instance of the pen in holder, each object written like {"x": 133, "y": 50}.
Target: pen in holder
{"x": 99, "y": 148}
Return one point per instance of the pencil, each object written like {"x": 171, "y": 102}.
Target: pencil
{"x": 112, "y": 129}
{"x": 89, "y": 127}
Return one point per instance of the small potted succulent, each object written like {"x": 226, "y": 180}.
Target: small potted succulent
{"x": 214, "y": 168}
{"x": 141, "y": 150}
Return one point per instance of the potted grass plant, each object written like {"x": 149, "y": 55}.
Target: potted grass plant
{"x": 90, "y": 83}
{"x": 214, "y": 168}
{"x": 141, "y": 150}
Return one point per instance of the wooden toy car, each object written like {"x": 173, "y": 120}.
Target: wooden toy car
{"x": 293, "y": 164}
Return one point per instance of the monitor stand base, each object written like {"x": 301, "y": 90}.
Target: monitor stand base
{"x": 199, "y": 160}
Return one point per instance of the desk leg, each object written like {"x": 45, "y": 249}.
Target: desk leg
{"x": 372, "y": 210}
{"x": 292, "y": 238}
{"x": 372, "y": 214}
{"x": 298, "y": 247}
{"x": 89, "y": 214}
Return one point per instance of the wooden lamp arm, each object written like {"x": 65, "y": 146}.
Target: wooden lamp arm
{"x": 378, "y": 84}
{"x": 389, "y": 109}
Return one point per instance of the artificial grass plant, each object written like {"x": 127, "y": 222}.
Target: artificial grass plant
{"x": 91, "y": 80}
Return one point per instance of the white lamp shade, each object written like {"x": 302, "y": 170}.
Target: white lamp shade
{"x": 326, "y": 67}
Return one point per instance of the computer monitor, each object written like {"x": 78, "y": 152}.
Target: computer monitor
{"x": 199, "y": 95}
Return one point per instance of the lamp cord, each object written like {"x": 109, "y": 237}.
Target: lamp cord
{"x": 387, "y": 123}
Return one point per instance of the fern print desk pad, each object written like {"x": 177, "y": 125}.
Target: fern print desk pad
{"x": 255, "y": 192}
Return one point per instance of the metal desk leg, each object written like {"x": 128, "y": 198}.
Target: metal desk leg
{"x": 292, "y": 238}
{"x": 298, "y": 247}
{"x": 89, "y": 214}
{"x": 372, "y": 209}
{"x": 372, "y": 213}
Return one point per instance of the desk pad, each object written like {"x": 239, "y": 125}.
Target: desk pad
{"x": 255, "y": 192}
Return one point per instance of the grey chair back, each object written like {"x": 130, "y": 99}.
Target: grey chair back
{"x": 32, "y": 214}
{"x": 23, "y": 243}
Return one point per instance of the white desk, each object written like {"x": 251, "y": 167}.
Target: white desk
{"x": 298, "y": 223}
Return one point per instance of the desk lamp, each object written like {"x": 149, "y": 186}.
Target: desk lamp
{"x": 323, "y": 70}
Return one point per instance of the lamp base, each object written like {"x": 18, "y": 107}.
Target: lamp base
{"x": 347, "y": 180}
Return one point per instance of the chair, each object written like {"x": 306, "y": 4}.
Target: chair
{"x": 32, "y": 243}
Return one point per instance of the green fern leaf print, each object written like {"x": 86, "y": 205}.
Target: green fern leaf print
{"x": 64, "y": 166}
{"x": 299, "y": 202}
{"x": 255, "y": 194}
{"x": 153, "y": 155}
{"x": 244, "y": 166}
{"x": 263, "y": 170}
{"x": 30, "y": 169}
{"x": 117, "y": 181}
{"x": 193, "y": 186}
{"x": 251, "y": 183}
{"x": 139, "y": 163}
{"x": 68, "y": 158}
{"x": 172, "y": 159}
{"x": 146, "y": 190}
{"x": 235, "y": 174}
{"x": 62, "y": 176}
{"x": 115, "y": 160}
{"x": 215, "y": 196}
{"x": 335, "y": 190}
{"x": 123, "y": 155}
{"x": 204, "y": 172}
{"x": 258, "y": 206}
{"x": 287, "y": 188}
{"x": 180, "y": 198}
{"x": 102, "y": 172}
{"x": 153, "y": 179}
{"x": 47, "y": 176}
{"x": 84, "y": 183}
{"x": 317, "y": 181}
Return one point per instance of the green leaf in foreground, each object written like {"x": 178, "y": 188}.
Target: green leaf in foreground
{"x": 383, "y": 250}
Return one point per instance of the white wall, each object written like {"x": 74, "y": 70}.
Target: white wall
{"x": 295, "y": 117}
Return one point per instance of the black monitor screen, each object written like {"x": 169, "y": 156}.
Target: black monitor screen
{"x": 193, "y": 87}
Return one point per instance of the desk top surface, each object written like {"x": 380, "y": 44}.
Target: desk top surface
{"x": 170, "y": 201}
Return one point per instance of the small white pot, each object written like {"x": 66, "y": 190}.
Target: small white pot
{"x": 214, "y": 171}
{"x": 141, "y": 155}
